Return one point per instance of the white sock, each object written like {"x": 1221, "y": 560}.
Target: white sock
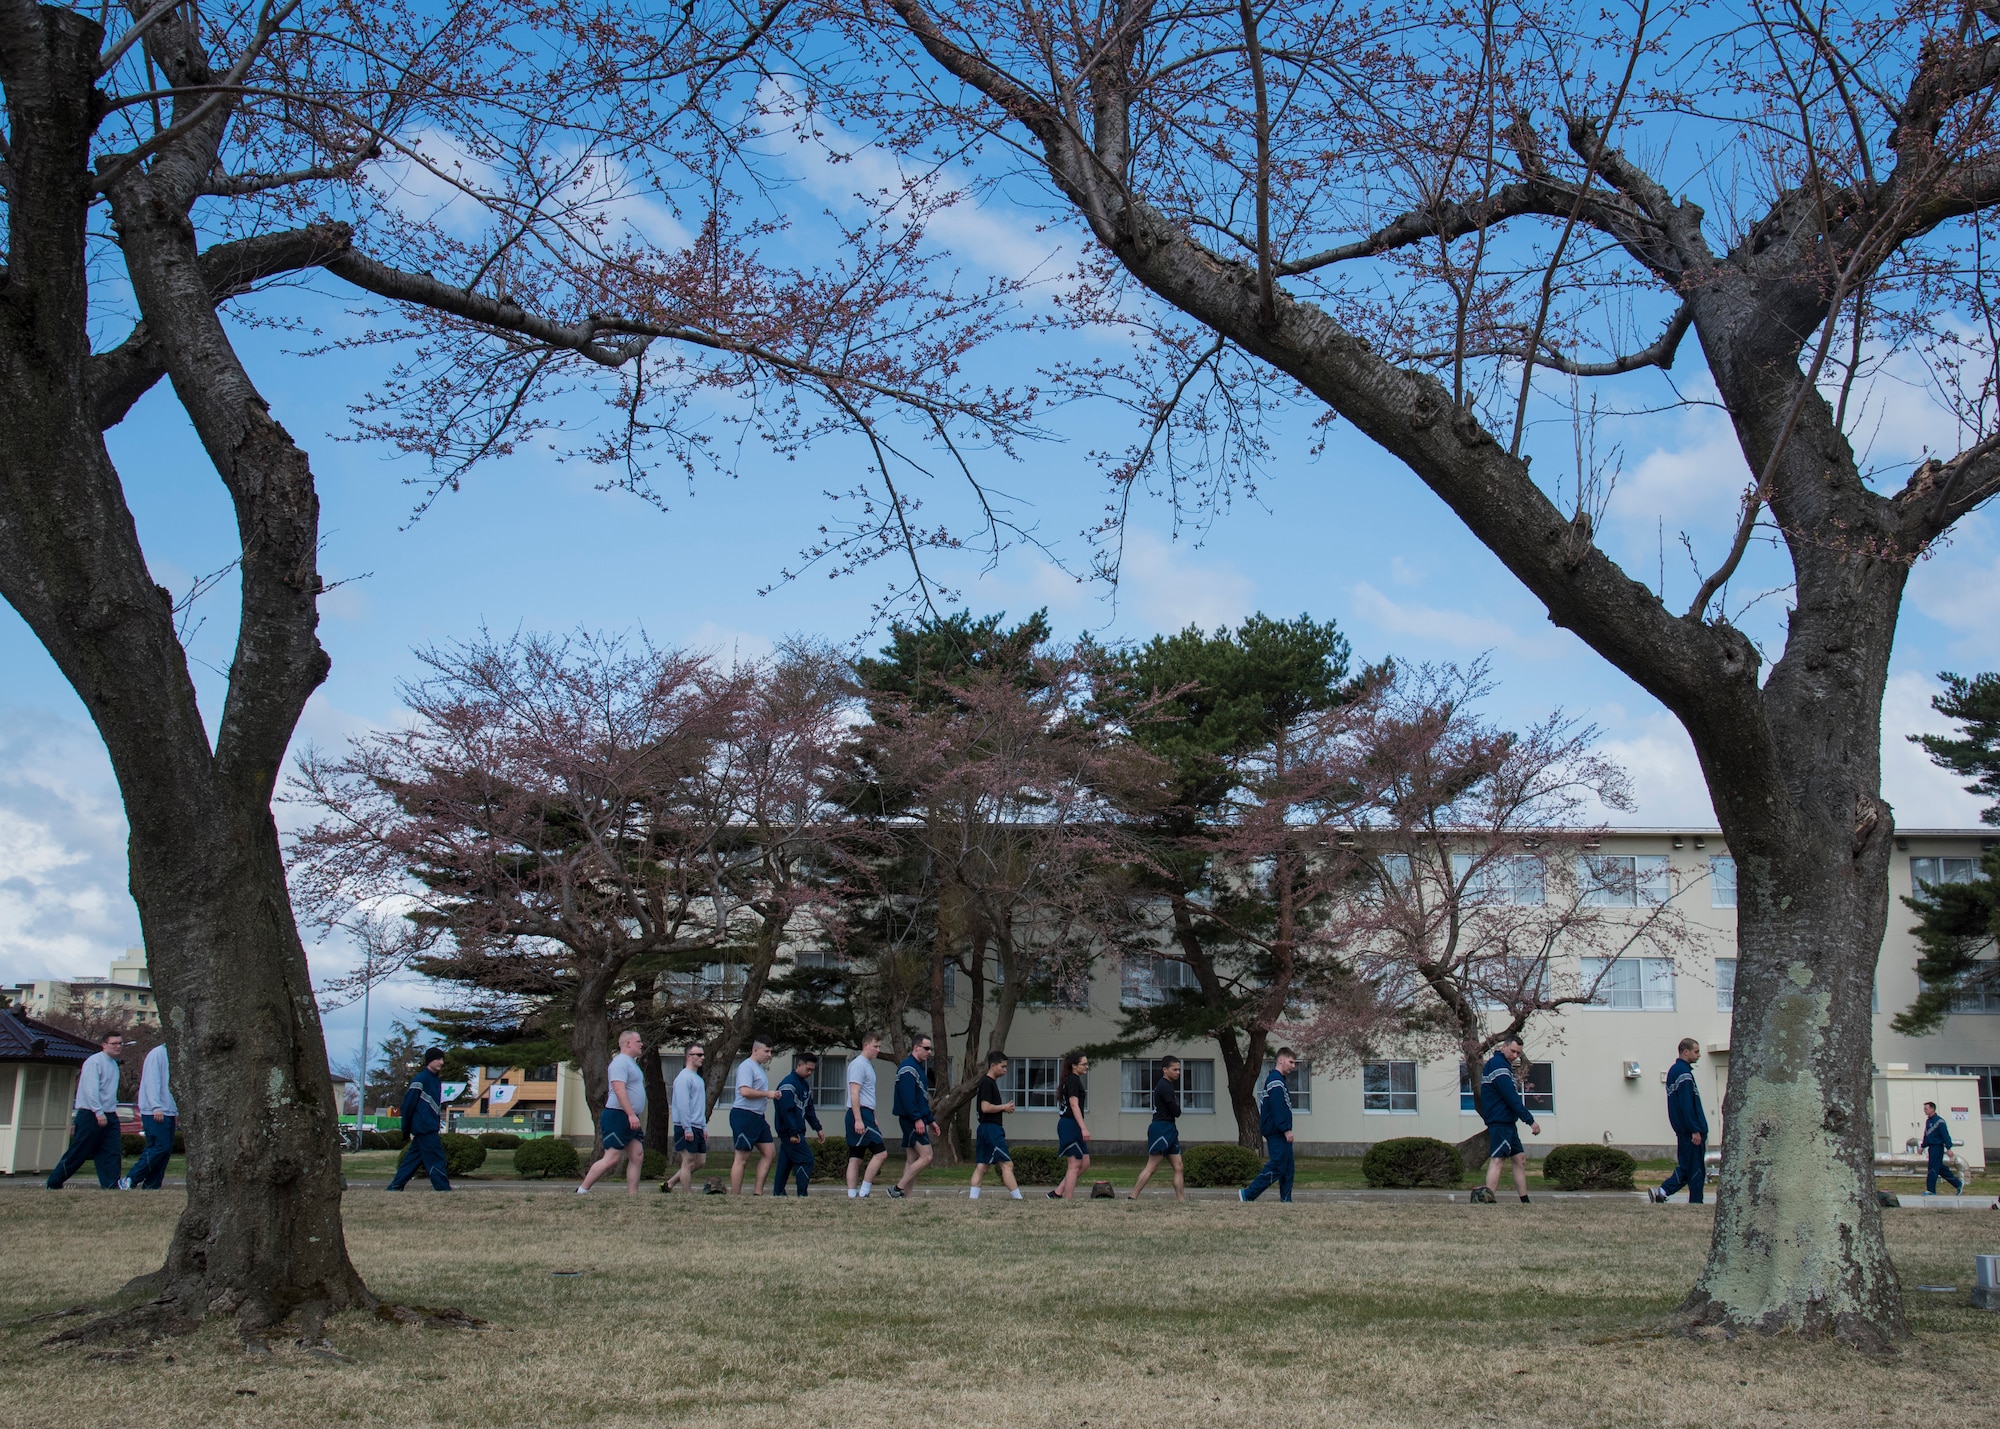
{"x": 852, "y": 1193}
{"x": 866, "y": 1187}
{"x": 1015, "y": 1193}
{"x": 974, "y": 1193}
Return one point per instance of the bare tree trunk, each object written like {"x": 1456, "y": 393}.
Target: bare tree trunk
{"x": 733, "y": 1036}
{"x": 590, "y": 1043}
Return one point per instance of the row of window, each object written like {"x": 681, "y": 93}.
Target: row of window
{"x": 1989, "y": 1082}
{"x": 1392, "y": 1087}
{"x": 1032, "y": 1082}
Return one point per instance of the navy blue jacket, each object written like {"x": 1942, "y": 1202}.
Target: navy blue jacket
{"x": 1500, "y": 1094}
{"x": 1275, "y": 1116}
{"x": 795, "y": 1107}
{"x": 1684, "y": 1111}
{"x": 1937, "y": 1136}
{"x": 423, "y": 1104}
{"x": 913, "y": 1093}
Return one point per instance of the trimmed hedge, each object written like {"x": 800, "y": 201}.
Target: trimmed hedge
{"x": 1038, "y": 1166}
{"x": 462, "y": 1154}
{"x": 653, "y": 1165}
{"x": 1220, "y": 1163}
{"x": 130, "y": 1144}
{"x": 499, "y": 1140}
{"x": 546, "y": 1156}
{"x": 383, "y": 1141}
{"x": 829, "y": 1160}
{"x": 1409, "y": 1161}
{"x": 1589, "y": 1167}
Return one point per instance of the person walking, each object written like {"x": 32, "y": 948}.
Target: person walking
{"x": 423, "y": 1120}
{"x": 1072, "y": 1135}
{"x": 1937, "y": 1141}
{"x": 1690, "y": 1124}
{"x": 749, "y": 1128}
{"x": 989, "y": 1145}
{"x": 622, "y": 1124}
{"x": 1501, "y": 1105}
{"x": 95, "y": 1131}
{"x": 157, "y": 1118}
{"x": 795, "y": 1112}
{"x": 1274, "y": 1121}
{"x": 1163, "y": 1133}
{"x": 688, "y": 1107}
{"x": 913, "y": 1111}
{"x": 864, "y": 1137}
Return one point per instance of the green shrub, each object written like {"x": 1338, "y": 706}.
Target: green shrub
{"x": 653, "y": 1166}
{"x": 1220, "y": 1163}
{"x": 499, "y": 1140}
{"x": 1038, "y": 1166}
{"x": 131, "y": 1145}
{"x": 1589, "y": 1167}
{"x": 462, "y": 1154}
{"x": 1405, "y": 1161}
{"x": 546, "y": 1156}
{"x": 383, "y": 1141}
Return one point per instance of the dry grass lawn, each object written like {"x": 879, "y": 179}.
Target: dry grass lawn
{"x": 705, "y": 1312}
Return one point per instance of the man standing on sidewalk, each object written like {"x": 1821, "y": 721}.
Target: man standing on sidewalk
{"x": 913, "y": 1111}
{"x": 1690, "y": 1126}
{"x": 795, "y": 1112}
{"x": 157, "y": 1117}
{"x": 94, "y": 1135}
{"x": 1501, "y": 1105}
{"x": 423, "y": 1119}
{"x": 1937, "y": 1141}
{"x": 689, "y": 1108}
{"x": 1274, "y": 1120}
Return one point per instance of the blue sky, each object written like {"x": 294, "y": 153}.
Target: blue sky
{"x": 529, "y": 542}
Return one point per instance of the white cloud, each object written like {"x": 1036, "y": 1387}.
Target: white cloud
{"x": 1456, "y": 630}
{"x": 1923, "y": 795}
{"x": 64, "y": 906}
{"x": 1666, "y": 778}
{"x": 1164, "y": 588}
{"x": 1698, "y": 481}
{"x": 1956, "y": 588}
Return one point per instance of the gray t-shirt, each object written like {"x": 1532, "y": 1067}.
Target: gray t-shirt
{"x": 861, "y": 1073}
{"x": 750, "y": 1075}
{"x": 625, "y": 1069}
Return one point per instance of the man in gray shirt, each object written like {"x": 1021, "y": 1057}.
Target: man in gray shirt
{"x": 748, "y": 1126}
{"x": 622, "y": 1127}
{"x": 864, "y": 1138}
{"x": 94, "y": 1136}
{"x": 158, "y": 1116}
{"x": 687, "y": 1106}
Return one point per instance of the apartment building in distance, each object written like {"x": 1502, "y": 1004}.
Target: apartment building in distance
{"x": 126, "y": 991}
{"x": 1598, "y": 1072}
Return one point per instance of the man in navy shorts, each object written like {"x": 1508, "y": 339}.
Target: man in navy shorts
{"x": 688, "y": 1107}
{"x": 913, "y": 1112}
{"x": 622, "y": 1126}
{"x": 866, "y": 1151}
{"x": 1501, "y": 1105}
{"x": 990, "y": 1141}
{"x": 1163, "y": 1133}
{"x": 748, "y": 1127}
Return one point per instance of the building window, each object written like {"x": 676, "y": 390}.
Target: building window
{"x": 1989, "y": 1084}
{"x": 1621, "y": 880}
{"x": 1722, "y": 882}
{"x": 1515, "y": 881}
{"x": 1299, "y": 1083}
{"x": 1937, "y": 871}
{"x": 1389, "y": 1087}
{"x": 1149, "y": 982}
{"x": 1725, "y": 984}
{"x": 830, "y": 1080}
{"x": 1980, "y": 994}
{"x": 1136, "y": 1076}
{"x": 1032, "y": 1082}
{"x": 1538, "y": 1088}
{"x": 1632, "y": 984}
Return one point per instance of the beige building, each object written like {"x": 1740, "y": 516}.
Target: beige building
{"x": 127, "y": 991}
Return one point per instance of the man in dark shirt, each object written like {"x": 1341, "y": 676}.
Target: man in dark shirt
{"x": 1690, "y": 1124}
{"x": 795, "y": 1113}
{"x": 423, "y": 1119}
{"x": 990, "y": 1141}
{"x": 1163, "y": 1133}
{"x": 1500, "y": 1102}
{"x": 1274, "y": 1120}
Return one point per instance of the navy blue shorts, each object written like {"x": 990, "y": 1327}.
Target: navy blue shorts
{"x": 1070, "y": 1140}
{"x": 870, "y": 1140}
{"x": 692, "y": 1139}
{"x": 616, "y": 1129}
{"x": 1163, "y": 1138}
{"x": 1503, "y": 1140}
{"x": 749, "y": 1130}
{"x": 989, "y": 1145}
{"x": 915, "y": 1133}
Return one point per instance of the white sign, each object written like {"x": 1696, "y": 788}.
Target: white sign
{"x": 501, "y": 1093}
{"x": 452, "y": 1091}
{"x": 1959, "y": 1113}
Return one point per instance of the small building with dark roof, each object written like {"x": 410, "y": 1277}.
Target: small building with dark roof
{"x": 38, "y": 1071}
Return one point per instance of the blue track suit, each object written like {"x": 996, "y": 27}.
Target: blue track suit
{"x": 423, "y": 1118}
{"x": 913, "y": 1103}
{"x": 1937, "y": 1141}
{"x": 1501, "y": 1107}
{"x": 1684, "y": 1113}
{"x": 1274, "y": 1120}
{"x": 96, "y": 1093}
{"x": 795, "y": 1113}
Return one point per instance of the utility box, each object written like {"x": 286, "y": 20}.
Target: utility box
{"x": 1899, "y": 1113}
{"x": 1986, "y": 1282}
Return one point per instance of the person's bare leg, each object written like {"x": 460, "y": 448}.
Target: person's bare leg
{"x": 914, "y": 1161}
{"x": 635, "y": 1162}
{"x": 854, "y": 1173}
{"x": 1007, "y": 1175}
{"x": 1152, "y": 1165}
{"x": 1492, "y": 1174}
{"x": 736, "y": 1173}
{"x": 766, "y": 1153}
{"x": 1077, "y": 1166}
{"x": 1521, "y": 1173}
{"x": 875, "y": 1164}
{"x": 1180, "y": 1180}
{"x": 602, "y": 1165}
{"x": 978, "y": 1173}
